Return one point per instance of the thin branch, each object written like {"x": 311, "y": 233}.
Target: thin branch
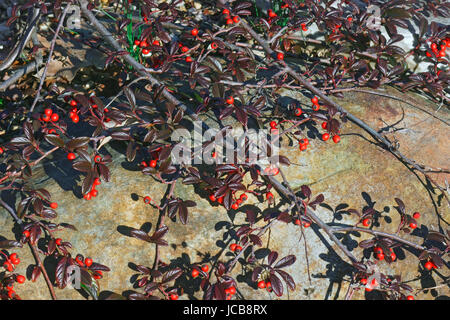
{"x": 50, "y": 54}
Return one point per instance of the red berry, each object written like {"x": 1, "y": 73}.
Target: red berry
{"x": 413, "y": 225}
{"x": 73, "y": 103}
{"x": 205, "y": 268}
{"x": 366, "y": 222}
{"x": 428, "y": 54}
{"x": 184, "y": 49}
{"x": 214, "y": 45}
{"x": 71, "y": 156}
{"x": 97, "y": 159}
{"x": 232, "y": 290}
{"x": 304, "y": 28}
{"x": 234, "y": 206}
{"x": 8, "y": 266}
{"x": 303, "y": 147}
{"x": 97, "y": 182}
{"x": 273, "y": 124}
{"x": 269, "y": 195}
{"x": 53, "y": 205}
{"x": 428, "y": 265}
{"x": 212, "y": 198}
{"x": 145, "y": 51}
{"x": 324, "y": 125}
{"x": 410, "y": 298}
{"x": 87, "y": 196}
{"x": 48, "y": 111}
{"x": 94, "y": 193}
{"x": 26, "y": 233}
{"x": 230, "y": 100}
{"x": 416, "y": 215}
{"x": 233, "y": 246}
{"x": 434, "y": 46}
{"x": 380, "y": 256}
{"x": 220, "y": 200}
{"x": 45, "y": 118}
{"x": 55, "y": 117}
{"x": 393, "y": 256}
{"x": 88, "y": 262}
{"x": 153, "y": 163}
{"x": 243, "y": 197}
{"x": 315, "y": 100}
{"x": 13, "y": 256}
{"x": 75, "y": 118}
{"x": 336, "y": 139}
{"x": 58, "y": 241}
{"x": 98, "y": 274}
{"x": 306, "y": 224}
{"x": 271, "y": 13}
{"x": 20, "y": 279}
{"x": 137, "y": 43}
{"x": 188, "y": 59}
{"x": 229, "y": 21}
{"x": 363, "y": 281}
{"x": 442, "y": 53}
{"x": 349, "y": 19}
{"x": 238, "y": 248}
{"x": 280, "y": 55}
{"x": 194, "y": 32}
{"x": 173, "y": 296}
{"x": 236, "y": 19}
{"x": 143, "y": 44}
{"x": 156, "y": 43}
{"x": 225, "y": 11}
{"x": 147, "y": 199}
{"x": 298, "y": 112}
{"x": 195, "y": 273}
{"x": 325, "y": 136}
{"x": 261, "y": 284}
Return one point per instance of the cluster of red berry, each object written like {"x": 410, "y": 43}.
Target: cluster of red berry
{"x": 11, "y": 262}
{"x": 49, "y": 115}
{"x": 380, "y": 254}
{"x": 73, "y": 114}
{"x": 306, "y": 224}
{"x": 87, "y": 262}
{"x": 237, "y": 201}
{"x": 413, "y": 224}
{"x": 94, "y": 192}
{"x": 265, "y": 285}
{"x": 195, "y": 272}
{"x": 143, "y": 44}
{"x": 152, "y": 163}
{"x": 229, "y": 19}
{"x": 439, "y": 50}
{"x": 230, "y": 292}
{"x": 326, "y": 135}
{"x": 235, "y": 247}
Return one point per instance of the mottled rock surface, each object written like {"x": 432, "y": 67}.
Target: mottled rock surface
{"x": 352, "y": 174}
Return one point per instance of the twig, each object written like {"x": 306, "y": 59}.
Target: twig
{"x": 50, "y": 53}
{"x": 378, "y": 234}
